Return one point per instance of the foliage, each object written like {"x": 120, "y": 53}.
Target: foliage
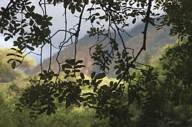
{"x": 178, "y": 57}
{"x": 156, "y": 97}
{"x": 135, "y": 84}
{"x": 6, "y": 72}
{"x": 181, "y": 24}
{"x": 73, "y": 117}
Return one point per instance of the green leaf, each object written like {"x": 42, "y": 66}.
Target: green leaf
{"x": 72, "y": 9}
{"x": 7, "y": 38}
{"x": 99, "y": 82}
{"x": 78, "y": 8}
{"x": 100, "y": 76}
{"x": 93, "y": 75}
{"x": 82, "y": 76}
{"x": 70, "y": 61}
{"x": 13, "y": 65}
{"x": 79, "y": 61}
{"x": 30, "y": 48}
{"x": 79, "y": 66}
{"x": 64, "y": 66}
{"x": 32, "y": 8}
{"x": 86, "y": 1}
{"x": 134, "y": 20}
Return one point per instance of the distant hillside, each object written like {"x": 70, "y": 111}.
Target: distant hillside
{"x": 7, "y": 73}
{"x": 156, "y": 39}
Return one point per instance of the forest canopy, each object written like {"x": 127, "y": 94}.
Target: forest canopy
{"x": 140, "y": 95}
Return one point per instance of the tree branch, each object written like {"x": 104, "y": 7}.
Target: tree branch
{"x": 147, "y": 20}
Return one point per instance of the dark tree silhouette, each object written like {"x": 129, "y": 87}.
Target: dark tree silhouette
{"x": 30, "y": 29}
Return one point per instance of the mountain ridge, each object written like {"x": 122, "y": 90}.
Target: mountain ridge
{"x": 156, "y": 39}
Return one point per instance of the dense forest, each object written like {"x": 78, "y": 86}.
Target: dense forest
{"x": 132, "y": 68}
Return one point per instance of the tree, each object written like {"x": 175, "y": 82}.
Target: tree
{"x": 179, "y": 73}
{"x": 176, "y": 83}
{"x": 110, "y": 100}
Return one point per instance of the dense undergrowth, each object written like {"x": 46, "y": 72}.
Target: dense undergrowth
{"x": 11, "y": 117}
{"x": 164, "y": 101}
